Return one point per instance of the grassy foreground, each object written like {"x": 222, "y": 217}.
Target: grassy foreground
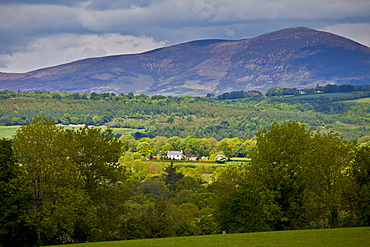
{"x": 323, "y": 237}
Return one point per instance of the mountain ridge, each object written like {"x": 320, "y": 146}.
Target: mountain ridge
{"x": 294, "y": 57}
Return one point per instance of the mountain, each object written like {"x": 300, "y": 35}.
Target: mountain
{"x": 295, "y": 57}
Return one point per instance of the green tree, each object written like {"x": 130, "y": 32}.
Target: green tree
{"x": 76, "y": 187}
{"x": 95, "y": 153}
{"x": 176, "y": 142}
{"x": 158, "y": 143}
{"x": 324, "y": 171}
{"x": 305, "y": 171}
{"x": 143, "y": 148}
{"x": 243, "y": 204}
{"x": 170, "y": 120}
{"x": 360, "y": 174}
{"x": 97, "y": 120}
{"x": 13, "y": 202}
{"x": 129, "y": 143}
{"x": 172, "y": 176}
{"x": 165, "y": 148}
{"x": 230, "y": 146}
{"x": 66, "y": 119}
{"x": 57, "y": 201}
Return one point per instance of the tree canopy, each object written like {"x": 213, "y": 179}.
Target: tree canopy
{"x": 61, "y": 185}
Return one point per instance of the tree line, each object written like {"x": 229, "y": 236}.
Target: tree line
{"x": 329, "y": 88}
{"x": 183, "y": 116}
{"x": 75, "y": 185}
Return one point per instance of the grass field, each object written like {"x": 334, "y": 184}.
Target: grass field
{"x": 365, "y": 100}
{"x": 354, "y": 237}
{"x": 9, "y": 131}
{"x": 326, "y": 95}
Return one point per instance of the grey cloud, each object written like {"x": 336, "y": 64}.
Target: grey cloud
{"x": 23, "y": 22}
{"x": 36, "y": 18}
{"x": 38, "y": 2}
{"x": 62, "y": 48}
{"x": 359, "y": 32}
{"x": 125, "y": 4}
{"x": 178, "y": 13}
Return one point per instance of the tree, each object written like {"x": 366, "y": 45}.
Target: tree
{"x": 170, "y": 120}
{"x": 143, "y": 148}
{"x": 195, "y": 146}
{"x": 176, "y": 142}
{"x": 243, "y": 204}
{"x": 229, "y": 146}
{"x": 158, "y": 143}
{"x": 165, "y": 148}
{"x": 73, "y": 180}
{"x": 129, "y": 143}
{"x": 293, "y": 162}
{"x": 13, "y": 202}
{"x": 172, "y": 176}
{"x": 66, "y": 119}
{"x": 49, "y": 177}
{"x": 324, "y": 171}
{"x": 95, "y": 153}
{"x": 360, "y": 174}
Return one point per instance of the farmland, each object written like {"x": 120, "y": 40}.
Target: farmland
{"x": 9, "y": 131}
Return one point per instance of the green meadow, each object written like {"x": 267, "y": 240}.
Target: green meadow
{"x": 9, "y": 131}
{"x": 323, "y": 237}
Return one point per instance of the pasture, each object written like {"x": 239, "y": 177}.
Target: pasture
{"x": 322, "y": 237}
{"x": 9, "y": 131}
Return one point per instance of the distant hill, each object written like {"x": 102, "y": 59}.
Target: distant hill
{"x": 295, "y": 57}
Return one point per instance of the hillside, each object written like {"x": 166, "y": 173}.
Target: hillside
{"x": 295, "y": 57}
{"x": 321, "y": 237}
{"x": 197, "y": 116}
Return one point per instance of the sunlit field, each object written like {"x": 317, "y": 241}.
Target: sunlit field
{"x": 324, "y": 237}
{"x": 9, "y": 131}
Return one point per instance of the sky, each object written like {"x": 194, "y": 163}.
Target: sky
{"x": 42, "y": 33}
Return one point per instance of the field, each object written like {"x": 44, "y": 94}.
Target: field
{"x": 9, "y": 131}
{"x": 327, "y": 95}
{"x": 324, "y": 237}
{"x": 362, "y": 100}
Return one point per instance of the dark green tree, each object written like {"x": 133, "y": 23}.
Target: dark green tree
{"x": 243, "y": 204}
{"x": 172, "y": 176}
{"x": 360, "y": 173}
{"x": 13, "y": 202}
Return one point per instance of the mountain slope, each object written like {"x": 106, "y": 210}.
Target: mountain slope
{"x": 295, "y": 57}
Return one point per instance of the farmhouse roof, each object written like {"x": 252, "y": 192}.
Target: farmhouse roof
{"x": 174, "y": 153}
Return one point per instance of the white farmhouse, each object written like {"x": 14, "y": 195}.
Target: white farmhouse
{"x": 175, "y": 155}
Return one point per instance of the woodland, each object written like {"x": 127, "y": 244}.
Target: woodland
{"x": 344, "y": 109}
{"x": 290, "y": 161}
{"x": 63, "y": 185}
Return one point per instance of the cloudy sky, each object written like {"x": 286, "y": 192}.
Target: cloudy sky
{"x": 42, "y": 33}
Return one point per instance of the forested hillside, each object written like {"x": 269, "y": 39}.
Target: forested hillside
{"x": 63, "y": 185}
{"x": 234, "y": 114}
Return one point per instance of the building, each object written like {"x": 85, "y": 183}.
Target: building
{"x": 175, "y": 155}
